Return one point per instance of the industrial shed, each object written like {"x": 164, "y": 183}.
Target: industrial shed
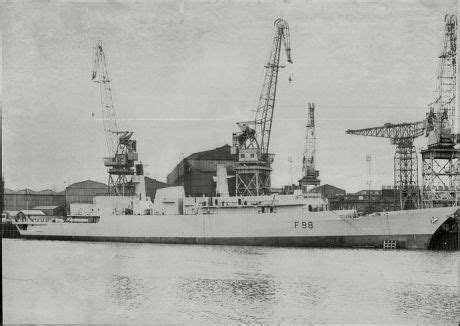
{"x": 27, "y": 198}
{"x": 51, "y": 210}
{"x": 328, "y": 190}
{"x": 195, "y": 172}
{"x": 84, "y": 191}
{"x": 29, "y": 214}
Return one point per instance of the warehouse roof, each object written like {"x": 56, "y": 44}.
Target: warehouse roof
{"x": 31, "y": 212}
{"x": 28, "y": 191}
{"x": 148, "y": 180}
{"x": 46, "y": 192}
{"x": 88, "y": 182}
{"x": 24, "y": 191}
{"x": 45, "y": 207}
{"x": 328, "y": 186}
{"x": 219, "y": 153}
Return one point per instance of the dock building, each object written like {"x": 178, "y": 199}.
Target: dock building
{"x": 195, "y": 172}
{"x": 57, "y": 203}
{"x": 28, "y": 199}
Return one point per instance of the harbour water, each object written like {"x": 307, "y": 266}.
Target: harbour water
{"x": 86, "y": 282}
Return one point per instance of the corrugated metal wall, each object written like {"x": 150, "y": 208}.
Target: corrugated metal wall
{"x": 196, "y": 176}
{"x": 80, "y": 192}
{"x": 14, "y": 202}
{"x": 84, "y": 192}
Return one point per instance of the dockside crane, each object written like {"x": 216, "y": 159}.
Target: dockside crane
{"x": 121, "y": 148}
{"x": 405, "y": 159}
{"x": 441, "y": 160}
{"x": 251, "y": 143}
{"x": 442, "y": 111}
{"x": 310, "y": 174}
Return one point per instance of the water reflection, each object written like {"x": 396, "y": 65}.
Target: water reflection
{"x": 225, "y": 285}
{"x": 436, "y": 302}
{"x": 240, "y": 250}
{"x": 260, "y": 290}
{"x": 240, "y": 300}
{"x": 127, "y": 292}
{"x": 309, "y": 292}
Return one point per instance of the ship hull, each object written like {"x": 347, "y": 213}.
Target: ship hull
{"x": 408, "y": 241}
{"x": 405, "y": 229}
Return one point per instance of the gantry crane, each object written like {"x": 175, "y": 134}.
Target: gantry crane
{"x": 121, "y": 148}
{"x": 440, "y": 173}
{"x": 251, "y": 144}
{"x": 405, "y": 160}
{"x": 310, "y": 174}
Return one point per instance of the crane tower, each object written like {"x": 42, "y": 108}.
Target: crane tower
{"x": 121, "y": 148}
{"x": 440, "y": 160}
{"x": 251, "y": 144}
{"x": 310, "y": 174}
{"x": 405, "y": 159}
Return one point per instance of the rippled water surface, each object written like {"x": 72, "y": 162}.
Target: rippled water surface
{"x": 85, "y": 282}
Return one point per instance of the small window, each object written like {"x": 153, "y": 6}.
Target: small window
{"x": 252, "y": 155}
{"x": 310, "y": 208}
{"x": 242, "y": 155}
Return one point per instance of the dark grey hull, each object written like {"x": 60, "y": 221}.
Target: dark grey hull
{"x": 402, "y": 241}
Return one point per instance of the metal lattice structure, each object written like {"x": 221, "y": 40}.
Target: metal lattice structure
{"x": 120, "y": 146}
{"x": 405, "y": 159}
{"x": 310, "y": 174}
{"x": 444, "y": 106}
{"x": 440, "y": 176}
{"x": 440, "y": 160}
{"x": 252, "y": 142}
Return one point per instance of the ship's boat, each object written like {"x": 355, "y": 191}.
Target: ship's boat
{"x": 300, "y": 220}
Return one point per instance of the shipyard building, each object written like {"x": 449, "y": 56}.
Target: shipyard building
{"x": 85, "y": 191}
{"x": 195, "y": 172}
{"x": 364, "y": 201}
{"x": 27, "y": 199}
{"x": 57, "y": 203}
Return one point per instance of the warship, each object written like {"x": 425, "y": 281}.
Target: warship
{"x": 297, "y": 220}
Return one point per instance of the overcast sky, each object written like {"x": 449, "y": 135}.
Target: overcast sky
{"x": 184, "y": 73}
